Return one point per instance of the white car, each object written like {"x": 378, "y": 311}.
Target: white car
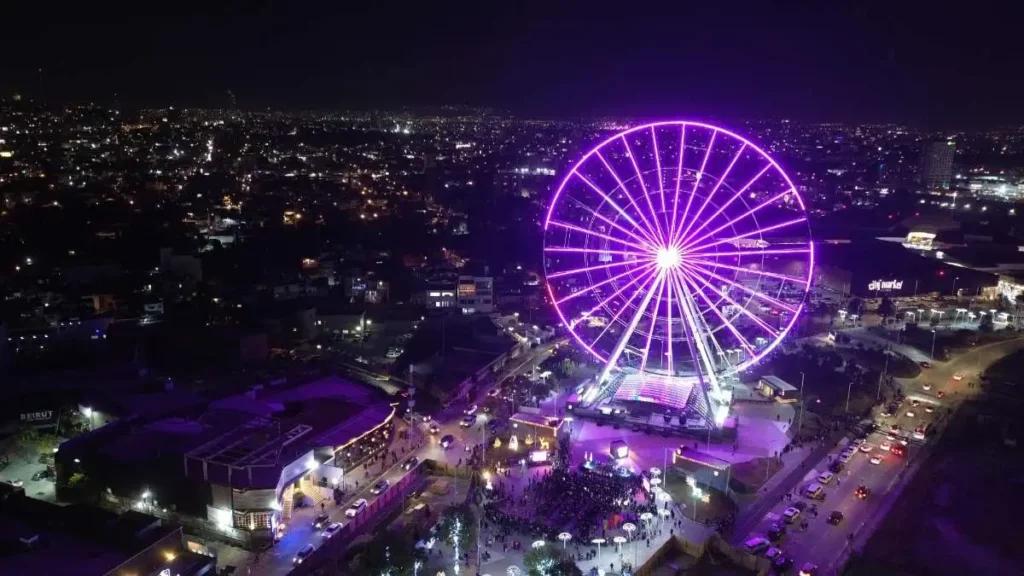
{"x": 929, "y": 409}
{"x": 825, "y": 477}
{"x": 332, "y": 529}
{"x": 845, "y": 457}
{"x": 958, "y": 376}
{"x": 303, "y": 554}
{"x": 791, "y": 514}
{"x": 876, "y": 459}
{"x": 926, "y": 386}
{"x": 866, "y": 448}
{"x": 910, "y": 414}
{"x": 886, "y": 445}
{"x": 472, "y": 409}
{"x": 356, "y": 507}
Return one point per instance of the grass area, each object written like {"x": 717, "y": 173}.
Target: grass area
{"x": 751, "y": 475}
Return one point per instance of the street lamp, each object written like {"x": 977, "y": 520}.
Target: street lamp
{"x": 564, "y": 537}
{"x": 800, "y": 417}
{"x": 933, "y": 344}
{"x": 598, "y": 541}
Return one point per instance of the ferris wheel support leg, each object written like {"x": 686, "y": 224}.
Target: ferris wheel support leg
{"x": 701, "y": 353}
{"x": 624, "y": 338}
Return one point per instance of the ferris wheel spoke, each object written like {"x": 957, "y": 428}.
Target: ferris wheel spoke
{"x": 583, "y": 230}
{"x": 760, "y": 296}
{"x": 617, "y": 208}
{"x": 668, "y": 330}
{"x": 654, "y": 321}
{"x": 650, "y": 230}
{"x": 690, "y": 241}
{"x": 758, "y": 252}
{"x": 642, "y": 278}
{"x": 630, "y": 329}
{"x": 728, "y": 202}
{"x": 643, "y": 188}
{"x": 596, "y": 251}
{"x": 592, "y": 287}
{"x": 783, "y": 277}
{"x": 743, "y": 309}
{"x": 563, "y": 273}
{"x": 610, "y": 222}
{"x": 679, "y": 177}
{"x": 754, "y": 232}
{"x": 615, "y": 317}
{"x": 684, "y": 221}
{"x": 725, "y": 321}
{"x": 657, "y": 163}
{"x": 698, "y": 345}
{"x": 681, "y": 240}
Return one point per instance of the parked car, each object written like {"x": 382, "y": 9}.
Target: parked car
{"x": 332, "y": 529}
{"x": 809, "y": 569}
{"x": 782, "y": 563}
{"x": 790, "y": 514}
{"x": 356, "y": 507}
{"x": 825, "y": 477}
{"x": 773, "y": 553}
{"x": 836, "y": 467}
{"x": 777, "y": 531}
{"x": 302, "y": 554}
{"x": 756, "y": 545}
{"x": 321, "y": 521}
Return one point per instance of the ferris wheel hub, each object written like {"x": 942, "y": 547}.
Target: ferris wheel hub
{"x": 669, "y": 258}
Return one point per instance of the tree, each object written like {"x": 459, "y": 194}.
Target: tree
{"x": 26, "y": 440}
{"x": 567, "y": 368}
{"x": 458, "y": 524}
{"x": 390, "y": 552}
{"x": 886, "y": 308}
{"x": 549, "y": 561}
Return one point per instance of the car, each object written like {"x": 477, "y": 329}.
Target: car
{"x": 472, "y": 409}
{"x": 876, "y": 459}
{"x": 835, "y": 517}
{"x": 447, "y": 441}
{"x": 898, "y": 450}
{"x": 493, "y": 392}
{"x": 756, "y": 545}
{"x": 434, "y": 428}
{"x": 925, "y": 364}
{"x": 773, "y": 553}
{"x": 926, "y": 386}
{"x": 813, "y": 491}
{"x": 410, "y": 463}
{"x": 929, "y": 409}
{"x": 835, "y": 467}
{"x": 910, "y": 414}
{"x": 940, "y": 394}
{"x": 467, "y": 421}
{"x": 321, "y": 521}
{"x": 777, "y": 531}
{"x": 380, "y": 486}
{"x": 39, "y": 476}
{"x": 332, "y": 529}
{"x": 845, "y": 457}
{"x": 17, "y": 483}
{"x": 790, "y": 514}
{"x": 302, "y": 554}
{"x": 861, "y": 492}
{"x": 809, "y": 569}
{"x": 782, "y": 563}
{"x": 356, "y": 507}
{"x": 825, "y": 477}
{"x": 866, "y": 448}
{"x": 958, "y": 376}
{"x": 856, "y": 442}
{"x": 915, "y": 402}
{"x": 887, "y": 446}
{"x": 919, "y": 433}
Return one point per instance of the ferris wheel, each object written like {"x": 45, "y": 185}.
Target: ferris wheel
{"x": 678, "y": 249}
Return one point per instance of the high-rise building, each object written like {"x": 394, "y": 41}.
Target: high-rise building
{"x": 937, "y": 164}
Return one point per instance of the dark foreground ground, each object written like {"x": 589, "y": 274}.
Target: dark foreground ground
{"x": 962, "y": 513}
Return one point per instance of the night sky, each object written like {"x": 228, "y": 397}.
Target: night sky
{"x": 927, "y": 65}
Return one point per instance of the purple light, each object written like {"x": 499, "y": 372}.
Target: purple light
{"x": 617, "y": 285}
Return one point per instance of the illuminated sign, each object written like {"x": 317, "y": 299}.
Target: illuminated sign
{"x": 539, "y": 456}
{"x": 876, "y": 285}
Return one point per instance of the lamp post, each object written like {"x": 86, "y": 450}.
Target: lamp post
{"x": 598, "y": 541}
{"x": 800, "y": 417}
{"x": 933, "y": 344}
{"x": 629, "y": 527}
{"x": 954, "y": 285}
{"x": 564, "y": 537}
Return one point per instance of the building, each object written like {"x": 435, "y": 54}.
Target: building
{"x": 777, "y": 388}
{"x": 232, "y": 468}
{"x": 44, "y": 538}
{"x": 476, "y": 294}
{"x": 937, "y": 164}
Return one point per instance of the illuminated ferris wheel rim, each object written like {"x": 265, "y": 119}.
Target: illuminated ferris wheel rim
{"x": 668, "y": 256}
